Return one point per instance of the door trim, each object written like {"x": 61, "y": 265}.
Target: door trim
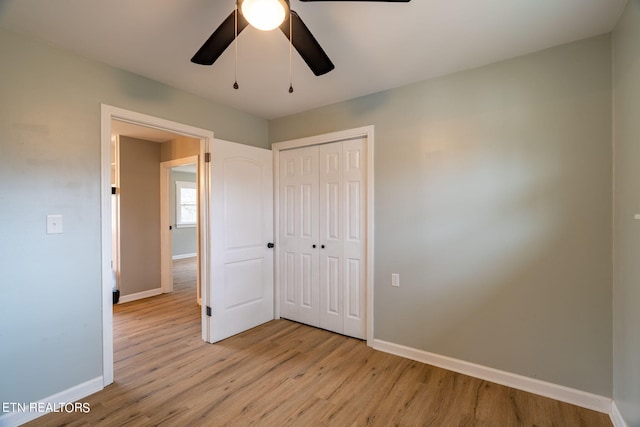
{"x": 368, "y": 133}
{"x": 107, "y": 114}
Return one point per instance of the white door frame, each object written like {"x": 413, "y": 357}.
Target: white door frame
{"x": 107, "y": 114}
{"x": 368, "y": 133}
{"x": 166, "y": 271}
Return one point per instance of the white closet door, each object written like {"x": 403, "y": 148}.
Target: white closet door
{"x": 323, "y": 236}
{"x": 331, "y": 236}
{"x": 354, "y": 244}
{"x": 299, "y": 292}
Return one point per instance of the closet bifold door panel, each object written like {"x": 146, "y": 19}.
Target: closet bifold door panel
{"x": 354, "y": 245}
{"x": 299, "y": 297}
{"x": 322, "y": 236}
{"x": 331, "y": 273}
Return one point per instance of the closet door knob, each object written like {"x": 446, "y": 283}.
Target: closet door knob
{"x": 322, "y": 246}
{"x": 314, "y": 246}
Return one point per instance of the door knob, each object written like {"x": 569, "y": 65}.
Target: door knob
{"x": 322, "y": 246}
{"x": 314, "y": 246}
{"x": 270, "y": 245}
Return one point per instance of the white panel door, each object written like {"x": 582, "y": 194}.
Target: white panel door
{"x": 322, "y": 195}
{"x": 354, "y": 243}
{"x": 299, "y": 296}
{"x": 331, "y": 222}
{"x": 241, "y": 285}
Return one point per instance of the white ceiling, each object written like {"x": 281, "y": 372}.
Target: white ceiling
{"x": 374, "y": 46}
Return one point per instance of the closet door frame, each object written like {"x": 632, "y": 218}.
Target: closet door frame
{"x": 366, "y": 132}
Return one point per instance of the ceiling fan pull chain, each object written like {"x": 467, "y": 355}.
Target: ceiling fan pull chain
{"x": 235, "y": 42}
{"x": 290, "y": 52}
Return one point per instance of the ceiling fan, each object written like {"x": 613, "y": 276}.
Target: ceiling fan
{"x": 278, "y": 14}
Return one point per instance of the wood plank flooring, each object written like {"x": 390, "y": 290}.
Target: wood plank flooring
{"x": 286, "y": 374}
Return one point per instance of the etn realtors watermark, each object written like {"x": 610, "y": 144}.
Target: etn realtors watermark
{"x": 45, "y": 407}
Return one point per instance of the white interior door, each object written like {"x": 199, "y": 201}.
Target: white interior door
{"x": 241, "y": 285}
{"x": 342, "y": 237}
{"x": 354, "y": 237}
{"x": 322, "y": 208}
{"x": 330, "y": 217}
{"x": 299, "y": 298}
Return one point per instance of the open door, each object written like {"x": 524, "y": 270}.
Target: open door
{"x": 240, "y": 292}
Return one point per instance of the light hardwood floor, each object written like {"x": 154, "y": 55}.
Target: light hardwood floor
{"x": 287, "y": 374}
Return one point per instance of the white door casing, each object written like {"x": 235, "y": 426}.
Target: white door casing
{"x": 241, "y": 286}
{"x": 108, "y": 114}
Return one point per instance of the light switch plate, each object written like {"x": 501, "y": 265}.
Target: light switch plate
{"x": 395, "y": 280}
{"x": 636, "y": 216}
{"x": 54, "y": 224}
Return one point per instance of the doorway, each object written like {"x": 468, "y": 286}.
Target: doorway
{"x": 178, "y": 218}
{"x": 109, "y": 115}
{"x": 148, "y": 227}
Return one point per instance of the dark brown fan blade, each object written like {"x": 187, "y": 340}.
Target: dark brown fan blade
{"x": 219, "y": 40}
{"x": 388, "y": 1}
{"x": 307, "y": 45}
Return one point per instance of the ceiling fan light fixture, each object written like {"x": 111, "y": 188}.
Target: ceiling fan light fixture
{"x": 265, "y": 15}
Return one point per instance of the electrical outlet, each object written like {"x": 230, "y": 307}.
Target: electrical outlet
{"x": 395, "y": 280}
{"x": 54, "y": 224}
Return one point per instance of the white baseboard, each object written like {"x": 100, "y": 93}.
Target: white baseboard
{"x": 73, "y": 394}
{"x": 183, "y": 256}
{"x": 140, "y": 295}
{"x": 531, "y": 385}
{"x": 616, "y": 416}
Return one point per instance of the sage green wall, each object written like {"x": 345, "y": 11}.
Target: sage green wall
{"x": 493, "y": 203}
{"x": 140, "y": 262}
{"x": 626, "y": 289}
{"x": 51, "y": 312}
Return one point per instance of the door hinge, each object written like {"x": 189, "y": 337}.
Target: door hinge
{"x": 208, "y": 311}
{"x": 207, "y": 157}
